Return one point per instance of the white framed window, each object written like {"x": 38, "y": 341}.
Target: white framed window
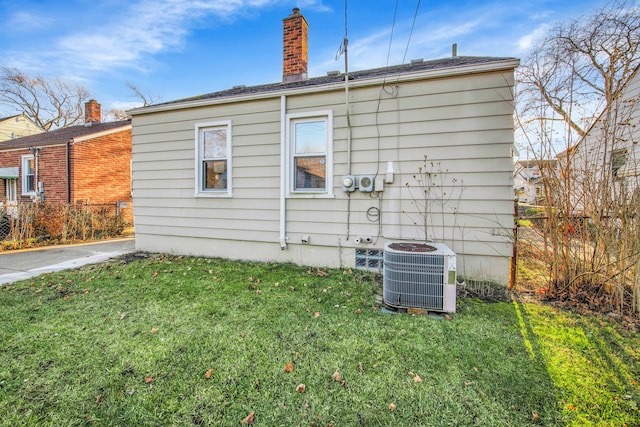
{"x": 618, "y": 160}
{"x": 213, "y": 159}
{"x": 310, "y": 154}
{"x": 28, "y": 174}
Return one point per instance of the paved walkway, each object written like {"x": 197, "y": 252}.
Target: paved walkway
{"x": 23, "y": 264}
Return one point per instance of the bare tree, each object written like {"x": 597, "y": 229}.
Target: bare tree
{"x": 578, "y": 70}
{"x": 50, "y": 104}
{"x": 116, "y": 114}
{"x": 578, "y": 102}
{"x": 146, "y": 99}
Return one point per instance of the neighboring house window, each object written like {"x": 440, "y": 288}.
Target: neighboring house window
{"x": 310, "y": 145}
{"x": 213, "y": 148}
{"x": 11, "y": 190}
{"x": 618, "y": 160}
{"x": 28, "y": 174}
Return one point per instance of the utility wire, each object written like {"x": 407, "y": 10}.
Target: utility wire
{"x": 415, "y": 16}
{"x": 393, "y": 26}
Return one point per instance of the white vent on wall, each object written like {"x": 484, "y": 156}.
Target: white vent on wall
{"x": 419, "y": 275}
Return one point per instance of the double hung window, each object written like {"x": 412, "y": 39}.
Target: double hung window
{"x": 310, "y": 153}
{"x": 28, "y": 174}
{"x": 213, "y": 168}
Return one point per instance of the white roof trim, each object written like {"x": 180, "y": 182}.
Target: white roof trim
{"x": 99, "y": 134}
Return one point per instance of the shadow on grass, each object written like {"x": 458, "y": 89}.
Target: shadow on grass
{"x": 591, "y": 367}
{"x": 164, "y": 340}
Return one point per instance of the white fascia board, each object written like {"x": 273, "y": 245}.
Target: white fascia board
{"x": 99, "y": 134}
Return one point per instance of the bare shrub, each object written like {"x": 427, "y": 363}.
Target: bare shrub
{"x": 60, "y": 222}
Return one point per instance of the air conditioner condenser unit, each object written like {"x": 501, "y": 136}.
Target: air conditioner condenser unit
{"x": 419, "y": 275}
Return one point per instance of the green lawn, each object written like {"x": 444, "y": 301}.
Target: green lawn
{"x": 191, "y": 341}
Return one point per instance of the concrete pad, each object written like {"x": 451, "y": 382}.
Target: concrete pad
{"x": 23, "y": 264}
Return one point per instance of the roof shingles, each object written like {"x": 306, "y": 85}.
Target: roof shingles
{"x": 413, "y": 67}
{"x": 61, "y": 136}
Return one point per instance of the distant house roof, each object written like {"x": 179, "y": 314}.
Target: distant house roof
{"x": 2, "y": 119}
{"x": 416, "y": 66}
{"x": 539, "y": 163}
{"x": 62, "y": 135}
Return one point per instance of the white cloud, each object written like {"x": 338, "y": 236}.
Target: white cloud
{"x": 124, "y": 105}
{"x": 527, "y": 41}
{"x": 427, "y": 41}
{"x": 145, "y": 28}
{"x": 316, "y": 5}
{"x": 22, "y": 21}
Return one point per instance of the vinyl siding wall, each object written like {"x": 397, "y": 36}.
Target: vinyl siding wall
{"x": 591, "y": 158}
{"x": 462, "y": 124}
{"x": 17, "y": 127}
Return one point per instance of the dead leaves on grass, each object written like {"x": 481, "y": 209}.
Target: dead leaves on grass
{"x": 318, "y": 272}
{"x": 416, "y": 377}
{"x": 249, "y": 419}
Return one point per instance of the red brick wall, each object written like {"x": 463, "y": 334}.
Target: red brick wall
{"x": 51, "y": 171}
{"x": 101, "y": 168}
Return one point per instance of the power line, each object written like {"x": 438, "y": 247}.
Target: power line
{"x": 415, "y": 16}
{"x": 393, "y": 26}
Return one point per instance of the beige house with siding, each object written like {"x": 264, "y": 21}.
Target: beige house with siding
{"x": 605, "y": 164}
{"x": 17, "y": 126}
{"x": 322, "y": 171}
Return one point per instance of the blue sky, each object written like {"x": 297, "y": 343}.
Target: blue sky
{"x": 172, "y": 49}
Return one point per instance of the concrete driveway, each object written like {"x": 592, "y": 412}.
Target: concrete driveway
{"x": 18, "y": 265}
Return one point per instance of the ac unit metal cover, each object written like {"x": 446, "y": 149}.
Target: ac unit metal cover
{"x": 419, "y": 275}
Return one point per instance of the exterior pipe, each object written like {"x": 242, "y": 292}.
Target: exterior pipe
{"x": 346, "y": 101}
{"x": 283, "y": 172}
{"x": 68, "y": 171}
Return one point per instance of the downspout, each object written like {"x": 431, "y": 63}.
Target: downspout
{"x": 36, "y": 177}
{"x": 283, "y": 172}
{"x": 68, "y": 171}
{"x": 346, "y": 95}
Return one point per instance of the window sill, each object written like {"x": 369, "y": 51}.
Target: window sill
{"x": 310, "y": 196}
{"x": 212, "y": 194}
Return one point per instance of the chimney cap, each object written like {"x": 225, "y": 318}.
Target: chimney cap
{"x": 296, "y": 11}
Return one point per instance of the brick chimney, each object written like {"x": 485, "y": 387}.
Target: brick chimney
{"x": 92, "y": 113}
{"x": 295, "y": 47}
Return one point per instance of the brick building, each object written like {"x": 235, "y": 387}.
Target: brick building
{"x": 89, "y": 163}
